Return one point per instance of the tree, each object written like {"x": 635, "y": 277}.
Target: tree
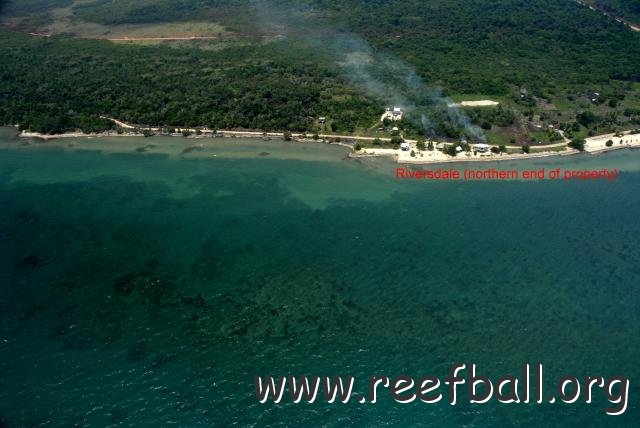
{"x": 578, "y": 144}
{"x": 357, "y": 147}
{"x": 396, "y": 141}
{"x": 287, "y": 136}
{"x": 295, "y": 89}
{"x": 526, "y": 148}
{"x": 450, "y": 149}
{"x": 420, "y": 145}
{"x": 316, "y": 136}
{"x": 502, "y": 148}
{"x": 430, "y": 146}
{"x": 495, "y": 149}
{"x": 554, "y": 135}
{"x": 587, "y": 118}
{"x": 609, "y": 143}
{"x": 377, "y": 142}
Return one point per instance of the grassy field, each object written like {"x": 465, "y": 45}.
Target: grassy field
{"x": 541, "y": 60}
{"x": 497, "y": 139}
{"x": 63, "y": 20}
{"x": 540, "y": 136}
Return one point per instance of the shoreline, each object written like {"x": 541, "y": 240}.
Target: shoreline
{"x": 594, "y": 145}
{"x": 298, "y": 138}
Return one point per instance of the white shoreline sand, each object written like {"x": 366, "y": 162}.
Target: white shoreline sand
{"x": 593, "y": 145}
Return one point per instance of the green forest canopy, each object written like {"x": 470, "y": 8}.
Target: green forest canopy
{"x": 556, "y": 50}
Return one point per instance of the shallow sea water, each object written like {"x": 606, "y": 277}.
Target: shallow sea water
{"x": 143, "y": 288}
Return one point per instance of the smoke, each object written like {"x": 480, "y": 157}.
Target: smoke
{"x": 382, "y": 76}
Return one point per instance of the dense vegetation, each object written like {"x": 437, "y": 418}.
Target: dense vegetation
{"x": 540, "y": 58}
{"x": 463, "y": 45}
{"x": 143, "y": 11}
{"x": 25, "y": 7}
{"x": 59, "y": 84}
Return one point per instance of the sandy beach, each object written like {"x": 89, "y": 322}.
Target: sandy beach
{"x": 593, "y": 145}
{"x": 47, "y": 137}
{"x": 599, "y": 143}
{"x": 596, "y": 144}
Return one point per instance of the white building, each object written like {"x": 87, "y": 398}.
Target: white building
{"x": 481, "y": 148}
{"x": 394, "y": 115}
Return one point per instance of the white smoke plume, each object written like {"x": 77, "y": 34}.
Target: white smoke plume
{"x": 382, "y": 76}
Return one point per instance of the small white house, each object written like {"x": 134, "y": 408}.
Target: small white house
{"x": 481, "y": 148}
{"x": 405, "y": 147}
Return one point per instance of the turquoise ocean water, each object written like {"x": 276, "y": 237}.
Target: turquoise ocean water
{"x": 147, "y": 287}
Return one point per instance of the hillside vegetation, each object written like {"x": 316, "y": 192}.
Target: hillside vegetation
{"x": 55, "y": 85}
{"x": 542, "y": 59}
